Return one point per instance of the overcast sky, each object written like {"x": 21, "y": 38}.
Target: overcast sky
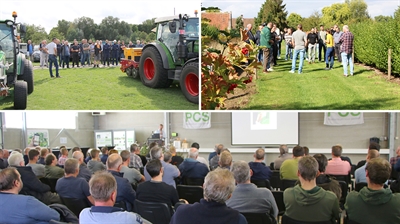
{"x": 250, "y": 8}
{"x": 47, "y": 12}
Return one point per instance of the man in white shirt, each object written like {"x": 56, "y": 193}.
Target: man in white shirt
{"x": 52, "y": 50}
{"x": 160, "y": 131}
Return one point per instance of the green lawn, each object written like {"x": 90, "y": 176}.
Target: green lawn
{"x": 318, "y": 89}
{"x": 98, "y": 89}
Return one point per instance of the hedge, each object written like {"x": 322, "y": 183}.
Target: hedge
{"x": 372, "y": 41}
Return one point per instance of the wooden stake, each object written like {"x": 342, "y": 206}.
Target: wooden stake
{"x": 389, "y": 63}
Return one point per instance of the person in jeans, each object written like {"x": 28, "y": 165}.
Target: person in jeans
{"x": 289, "y": 46}
{"x": 336, "y": 38}
{"x": 312, "y": 39}
{"x": 86, "y": 52}
{"x": 330, "y": 53}
{"x": 299, "y": 41}
{"x": 346, "y": 50}
{"x": 65, "y": 54}
{"x": 321, "y": 43}
{"x": 52, "y": 50}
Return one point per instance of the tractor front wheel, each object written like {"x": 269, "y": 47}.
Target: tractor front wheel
{"x": 189, "y": 82}
{"x": 20, "y": 95}
{"x": 151, "y": 70}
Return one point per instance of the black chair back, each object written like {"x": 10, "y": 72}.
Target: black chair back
{"x": 394, "y": 174}
{"x": 271, "y": 165}
{"x": 287, "y": 183}
{"x": 121, "y": 204}
{"x": 278, "y": 195}
{"x": 276, "y": 180}
{"x": 287, "y": 220}
{"x": 257, "y": 218}
{"x": 191, "y": 193}
{"x": 75, "y": 205}
{"x": 156, "y": 213}
{"x": 346, "y": 178}
{"x": 193, "y": 181}
{"x": 51, "y": 182}
{"x": 360, "y": 185}
{"x": 262, "y": 183}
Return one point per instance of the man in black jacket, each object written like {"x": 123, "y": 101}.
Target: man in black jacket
{"x": 32, "y": 185}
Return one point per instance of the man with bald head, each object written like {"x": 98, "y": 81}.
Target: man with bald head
{"x": 260, "y": 171}
{"x": 124, "y": 188}
{"x": 360, "y": 173}
{"x": 396, "y": 157}
{"x": 191, "y": 168}
{"x": 84, "y": 172}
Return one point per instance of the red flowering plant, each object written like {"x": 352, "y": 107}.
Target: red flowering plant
{"x": 224, "y": 71}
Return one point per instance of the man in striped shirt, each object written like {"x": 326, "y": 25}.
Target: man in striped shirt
{"x": 346, "y": 50}
{"x": 288, "y": 41}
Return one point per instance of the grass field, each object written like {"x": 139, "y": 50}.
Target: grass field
{"x": 98, "y": 89}
{"x": 318, "y": 89}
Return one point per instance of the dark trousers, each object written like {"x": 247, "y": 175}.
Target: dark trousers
{"x": 106, "y": 58}
{"x": 65, "y": 60}
{"x": 337, "y": 52}
{"x": 321, "y": 46}
{"x": 75, "y": 59}
{"x": 275, "y": 49}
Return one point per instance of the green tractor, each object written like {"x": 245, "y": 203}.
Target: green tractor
{"x": 15, "y": 70}
{"x": 173, "y": 56}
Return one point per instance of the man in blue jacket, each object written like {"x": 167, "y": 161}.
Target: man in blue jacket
{"x": 191, "y": 168}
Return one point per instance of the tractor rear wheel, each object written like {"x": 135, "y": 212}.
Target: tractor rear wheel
{"x": 189, "y": 82}
{"x": 20, "y": 95}
{"x": 27, "y": 76}
{"x": 151, "y": 70}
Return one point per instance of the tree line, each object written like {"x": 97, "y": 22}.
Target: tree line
{"x": 111, "y": 28}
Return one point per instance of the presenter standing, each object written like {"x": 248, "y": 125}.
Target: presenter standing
{"x": 160, "y": 131}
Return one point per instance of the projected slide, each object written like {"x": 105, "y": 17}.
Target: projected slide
{"x": 265, "y": 128}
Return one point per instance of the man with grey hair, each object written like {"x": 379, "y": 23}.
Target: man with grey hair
{"x": 308, "y": 202}
{"x": 258, "y": 168}
{"x": 136, "y": 160}
{"x": 247, "y": 198}
{"x": 80, "y": 186}
{"x": 32, "y": 185}
{"x": 17, "y": 208}
{"x": 132, "y": 175}
{"x": 84, "y": 172}
{"x": 284, "y": 155}
{"x": 170, "y": 171}
{"x": 103, "y": 188}
{"x": 125, "y": 191}
{"x": 346, "y": 50}
{"x": 191, "y": 168}
{"x": 214, "y": 161}
{"x": 217, "y": 189}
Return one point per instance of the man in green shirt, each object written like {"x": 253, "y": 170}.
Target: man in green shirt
{"x": 51, "y": 168}
{"x": 289, "y": 167}
{"x": 307, "y": 202}
{"x": 265, "y": 44}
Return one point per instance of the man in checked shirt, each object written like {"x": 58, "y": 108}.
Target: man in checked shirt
{"x": 346, "y": 50}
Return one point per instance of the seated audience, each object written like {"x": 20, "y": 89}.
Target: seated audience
{"x": 3, "y": 162}
{"x": 112, "y": 151}
{"x": 360, "y": 173}
{"x": 199, "y": 158}
{"x": 372, "y": 146}
{"x": 374, "y": 204}
{"x": 211, "y": 155}
{"x": 175, "y": 160}
{"x": 395, "y": 158}
{"x": 17, "y": 208}
{"x": 95, "y": 163}
{"x": 51, "y": 170}
{"x": 284, "y": 155}
{"x": 43, "y": 154}
{"x": 84, "y": 172}
{"x": 192, "y": 168}
{"x": 131, "y": 174}
{"x": 38, "y": 169}
{"x": 125, "y": 191}
{"x": 290, "y": 167}
{"x": 88, "y": 156}
{"x": 170, "y": 171}
{"x": 156, "y": 190}
{"x": 344, "y": 158}
{"x": 214, "y": 160}
{"x": 247, "y": 198}
{"x": 64, "y": 155}
{"x": 104, "y": 156}
{"x": 307, "y": 202}
{"x": 218, "y": 187}
{"x": 32, "y": 185}
{"x": 260, "y": 171}
{"x": 103, "y": 188}
{"x": 135, "y": 161}
{"x": 26, "y": 157}
{"x": 225, "y": 160}
{"x": 337, "y": 166}
{"x": 306, "y": 150}
{"x": 325, "y": 181}
{"x": 167, "y": 157}
{"x": 72, "y": 186}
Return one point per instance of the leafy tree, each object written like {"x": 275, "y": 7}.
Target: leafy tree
{"x": 151, "y": 37}
{"x": 63, "y": 26}
{"x": 211, "y": 9}
{"x": 338, "y": 13}
{"x": 381, "y": 18}
{"x": 294, "y": 19}
{"x": 55, "y": 33}
{"x": 86, "y": 25}
{"x": 35, "y": 33}
{"x": 358, "y": 10}
{"x": 397, "y": 13}
{"x": 239, "y": 22}
{"x": 313, "y": 21}
{"x": 147, "y": 25}
{"x": 74, "y": 33}
{"x": 272, "y": 11}
{"x": 108, "y": 27}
